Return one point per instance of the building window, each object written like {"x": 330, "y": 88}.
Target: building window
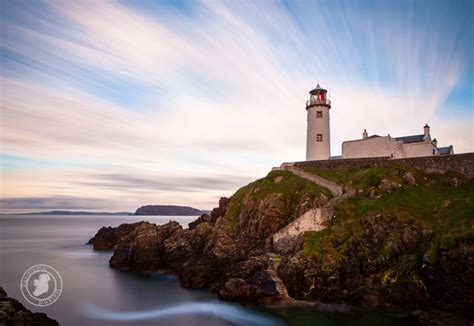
{"x": 319, "y": 137}
{"x": 319, "y": 114}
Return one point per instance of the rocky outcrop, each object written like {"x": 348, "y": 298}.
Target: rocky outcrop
{"x": 107, "y": 237}
{"x": 12, "y": 312}
{"x": 226, "y": 250}
{"x": 383, "y": 268}
{"x": 407, "y": 247}
{"x": 143, "y": 248}
{"x": 201, "y": 219}
{"x": 449, "y": 281}
{"x": 168, "y": 210}
{"x": 215, "y": 214}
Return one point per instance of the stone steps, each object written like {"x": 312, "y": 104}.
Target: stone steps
{"x": 335, "y": 188}
{"x": 279, "y": 284}
{"x": 313, "y": 220}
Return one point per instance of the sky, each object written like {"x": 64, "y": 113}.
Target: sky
{"x": 107, "y": 106}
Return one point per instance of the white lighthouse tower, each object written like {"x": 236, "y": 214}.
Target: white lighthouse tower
{"x": 318, "y": 146}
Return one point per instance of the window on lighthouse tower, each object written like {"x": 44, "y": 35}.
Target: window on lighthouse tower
{"x": 319, "y": 137}
{"x": 319, "y": 114}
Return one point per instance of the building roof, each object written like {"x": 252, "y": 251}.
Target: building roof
{"x": 317, "y": 90}
{"x": 445, "y": 150}
{"x": 411, "y": 139}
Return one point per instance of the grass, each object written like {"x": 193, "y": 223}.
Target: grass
{"x": 434, "y": 204}
{"x": 283, "y": 183}
{"x": 364, "y": 178}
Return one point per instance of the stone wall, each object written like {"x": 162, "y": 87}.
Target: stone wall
{"x": 284, "y": 241}
{"x": 462, "y": 163}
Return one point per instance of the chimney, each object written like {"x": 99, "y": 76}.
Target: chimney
{"x": 364, "y": 134}
{"x": 426, "y": 129}
{"x": 435, "y": 143}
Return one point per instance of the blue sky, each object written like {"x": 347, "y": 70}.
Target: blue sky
{"x": 181, "y": 102}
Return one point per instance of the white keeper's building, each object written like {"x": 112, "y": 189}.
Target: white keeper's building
{"x": 318, "y": 137}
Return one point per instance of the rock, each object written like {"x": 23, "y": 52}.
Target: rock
{"x": 237, "y": 289}
{"x": 278, "y": 179}
{"x": 449, "y": 281}
{"x": 373, "y": 193}
{"x": 221, "y": 209}
{"x": 320, "y": 201}
{"x": 409, "y": 178}
{"x": 387, "y": 186}
{"x": 107, "y": 237}
{"x": 142, "y": 249}
{"x": 249, "y": 281}
{"x": 12, "y": 312}
{"x": 438, "y": 318}
{"x": 203, "y": 218}
{"x": 457, "y": 181}
{"x": 375, "y": 272}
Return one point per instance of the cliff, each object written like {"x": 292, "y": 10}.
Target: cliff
{"x": 168, "y": 210}
{"x": 392, "y": 236}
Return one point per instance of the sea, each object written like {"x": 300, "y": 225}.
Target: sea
{"x": 95, "y": 294}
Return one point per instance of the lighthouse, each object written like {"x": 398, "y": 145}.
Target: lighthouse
{"x": 318, "y": 136}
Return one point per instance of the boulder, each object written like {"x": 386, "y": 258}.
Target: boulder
{"x": 409, "y": 179}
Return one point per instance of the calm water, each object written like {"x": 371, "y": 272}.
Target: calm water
{"x": 94, "y": 294}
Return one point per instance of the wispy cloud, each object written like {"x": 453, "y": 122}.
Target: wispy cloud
{"x": 148, "y": 100}
{"x": 54, "y": 202}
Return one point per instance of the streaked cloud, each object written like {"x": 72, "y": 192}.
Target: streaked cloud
{"x": 140, "y": 104}
{"x": 54, "y": 202}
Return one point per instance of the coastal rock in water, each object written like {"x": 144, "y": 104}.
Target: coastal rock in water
{"x": 12, "y": 312}
{"x": 142, "y": 249}
{"x": 107, "y": 237}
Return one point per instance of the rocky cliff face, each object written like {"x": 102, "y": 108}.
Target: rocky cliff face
{"x": 404, "y": 241}
{"x": 107, "y": 237}
{"x": 12, "y": 312}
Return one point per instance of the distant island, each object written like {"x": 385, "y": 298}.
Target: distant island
{"x": 71, "y": 213}
{"x": 169, "y": 210}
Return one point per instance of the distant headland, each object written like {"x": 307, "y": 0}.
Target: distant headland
{"x": 164, "y": 210}
{"x": 169, "y": 210}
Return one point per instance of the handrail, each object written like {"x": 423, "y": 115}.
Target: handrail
{"x": 316, "y": 102}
